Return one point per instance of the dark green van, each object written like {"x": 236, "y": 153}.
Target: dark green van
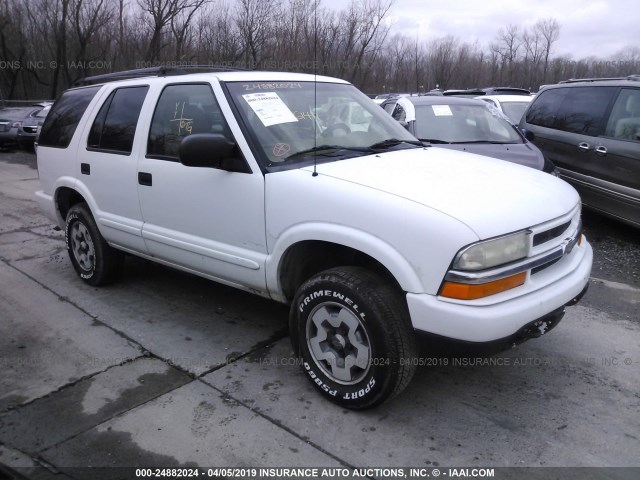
{"x": 590, "y": 129}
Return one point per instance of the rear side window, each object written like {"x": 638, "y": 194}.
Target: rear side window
{"x": 115, "y": 125}
{"x": 61, "y": 123}
{"x": 577, "y": 110}
{"x": 624, "y": 121}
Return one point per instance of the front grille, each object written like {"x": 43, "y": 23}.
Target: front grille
{"x": 542, "y": 267}
{"x": 553, "y": 240}
{"x": 550, "y": 234}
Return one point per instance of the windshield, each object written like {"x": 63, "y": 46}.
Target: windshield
{"x": 299, "y": 122}
{"x": 514, "y": 110}
{"x": 463, "y": 124}
{"x": 13, "y": 113}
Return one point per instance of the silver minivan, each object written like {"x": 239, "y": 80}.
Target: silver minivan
{"x": 590, "y": 129}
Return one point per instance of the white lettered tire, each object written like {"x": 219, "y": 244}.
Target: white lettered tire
{"x": 353, "y": 334}
{"x": 92, "y": 258}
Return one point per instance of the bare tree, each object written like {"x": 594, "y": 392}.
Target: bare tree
{"x": 255, "y": 20}
{"x": 220, "y": 38}
{"x": 532, "y": 44}
{"x": 48, "y": 45}
{"x": 162, "y": 13}
{"x": 549, "y": 30}
{"x": 442, "y": 59}
{"x": 371, "y": 35}
{"x": 12, "y": 49}
{"x": 507, "y": 45}
{"x": 49, "y": 24}
{"x": 87, "y": 19}
{"x": 399, "y": 53}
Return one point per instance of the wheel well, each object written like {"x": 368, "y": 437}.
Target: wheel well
{"x": 305, "y": 259}
{"x": 67, "y": 198}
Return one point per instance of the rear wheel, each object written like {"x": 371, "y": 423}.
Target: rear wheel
{"x": 92, "y": 258}
{"x": 353, "y": 333}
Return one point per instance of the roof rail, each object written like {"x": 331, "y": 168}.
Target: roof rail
{"x": 162, "y": 71}
{"x": 635, "y": 78}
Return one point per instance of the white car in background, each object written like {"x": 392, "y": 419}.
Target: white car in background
{"x": 511, "y": 106}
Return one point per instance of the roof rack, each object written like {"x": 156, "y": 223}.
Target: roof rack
{"x": 163, "y": 71}
{"x": 635, "y": 78}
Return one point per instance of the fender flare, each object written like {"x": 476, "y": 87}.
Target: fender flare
{"x": 364, "y": 242}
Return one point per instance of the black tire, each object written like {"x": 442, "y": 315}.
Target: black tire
{"x": 353, "y": 334}
{"x": 93, "y": 259}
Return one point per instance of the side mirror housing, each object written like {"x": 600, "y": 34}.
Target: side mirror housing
{"x": 529, "y": 135}
{"x": 211, "y": 150}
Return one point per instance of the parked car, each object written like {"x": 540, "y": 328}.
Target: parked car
{"x": 28, "y": 131}
{"x": 591, "y": 130}
{"x": 467, "y": 125}
{"x": 367, "y": 234}
{"x": 511, "y": 106}
{"x": 11, "y": 119}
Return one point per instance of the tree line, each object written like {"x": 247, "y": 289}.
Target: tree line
{"x": 47, "y": 45}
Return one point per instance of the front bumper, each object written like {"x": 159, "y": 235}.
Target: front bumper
{"x": 476, "y": 322}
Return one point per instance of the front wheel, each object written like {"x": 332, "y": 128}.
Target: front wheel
{"x": 92, "y": 258}
{"x": 354, "y": 336}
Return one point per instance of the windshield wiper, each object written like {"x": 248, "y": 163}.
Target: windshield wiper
{"x": 334, "y": 150}
{"x": 321, "y": 148}
{"x": 392, "y": 142}
{"x": 432, "y": 140}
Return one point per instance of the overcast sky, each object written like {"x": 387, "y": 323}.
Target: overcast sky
{"x": 587, "y": 28}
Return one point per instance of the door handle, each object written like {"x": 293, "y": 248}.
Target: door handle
{"x": 583, "y": 147}
{"x": 601, "y": 150}
{"x": 145, "y": 178}
{"x": 85, "y": 169}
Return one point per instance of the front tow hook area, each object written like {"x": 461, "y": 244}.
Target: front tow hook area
{"x": 579, "y": 296}
{"x": 539, "y": 327}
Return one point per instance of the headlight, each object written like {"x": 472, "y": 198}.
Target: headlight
{"x": 491, "y": 253}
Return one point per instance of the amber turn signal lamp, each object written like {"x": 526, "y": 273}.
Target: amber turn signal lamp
{"x": 466, "y": 291}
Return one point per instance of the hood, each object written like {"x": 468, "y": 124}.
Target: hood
{"x": 525, "y": 154}
{"x": 492, "y": 197}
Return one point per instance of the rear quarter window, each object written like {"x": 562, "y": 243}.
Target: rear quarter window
{"x": 579, "y": 110}
{"x": 62, "y": 121}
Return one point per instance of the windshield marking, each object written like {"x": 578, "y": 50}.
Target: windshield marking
{"x": 270, "y": 86}
{"x": 281, "y": 149}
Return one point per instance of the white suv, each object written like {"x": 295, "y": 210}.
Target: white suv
{"x": 259, "y": 180}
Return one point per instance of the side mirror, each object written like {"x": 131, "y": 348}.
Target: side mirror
{"x": 211, "y": 150}
{"x": 529, "y": 135}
